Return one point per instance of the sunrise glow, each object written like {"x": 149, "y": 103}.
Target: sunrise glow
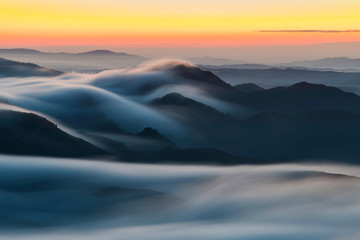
{"x": 164, "y": 23}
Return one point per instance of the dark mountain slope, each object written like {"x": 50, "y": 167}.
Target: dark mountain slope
{"x": 28, "y": 134}
{"x": 204, "y": 123}
{"x": 325, "y": 132}
{"x": 17, "y": 69}
{"x": 300, "y": 98}
{"x": 197, "y": 74}
{"x": 188, "y": 109}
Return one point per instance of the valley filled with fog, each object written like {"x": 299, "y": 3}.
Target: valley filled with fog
{"x": 44, "y": 198}
{"x": 170, "y": 150}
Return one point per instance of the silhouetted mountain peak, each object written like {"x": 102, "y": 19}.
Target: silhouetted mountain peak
{"x": 153, "y": 134}
{"x": 150, "y": 133}
{"x": 197, "y": 74}
{"x": 300, "y": 98}
{"x": 308, "y": 86}
{"x": 185, "y": 70}
{"x": 173, "y": 99}
{"x": 102, "y": 53}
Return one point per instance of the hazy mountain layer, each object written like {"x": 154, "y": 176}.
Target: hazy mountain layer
{"x": 171, "y": 111}
{"x": 93, "y": 61}
{"x": 271, "y": 77}
{"x": 341, "y": 63}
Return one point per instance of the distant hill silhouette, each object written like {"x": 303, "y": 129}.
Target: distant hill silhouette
{"x": 90, "y": 61}
{"x": 336, "y": 63}
{"x": 104, "y": 53}
{"x": 274, "y": 76}
{"x": 20, "y": 51}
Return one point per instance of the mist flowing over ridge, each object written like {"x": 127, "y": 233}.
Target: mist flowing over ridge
{"x": 207, "y": 118}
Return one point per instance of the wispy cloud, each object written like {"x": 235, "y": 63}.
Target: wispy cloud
{"x": 310, "y": 31}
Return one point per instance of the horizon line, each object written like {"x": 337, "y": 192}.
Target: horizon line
{"x": 310, "y": 31}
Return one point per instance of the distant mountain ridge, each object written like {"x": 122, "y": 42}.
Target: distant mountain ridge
{"x": 92, "y": 61}
{"x": 300, "y": 97}
{"x": 335, "y": 63}
{"x": 20, "y": 51}
{"x": 105, "y": 53}
{"x": 32, "y": 51}
{"x": 272, "y": 77}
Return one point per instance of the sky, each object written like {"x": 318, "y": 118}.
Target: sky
{"x": 177, "y": 23}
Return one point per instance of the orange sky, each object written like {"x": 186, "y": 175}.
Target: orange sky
{"x": 26, "y": 23}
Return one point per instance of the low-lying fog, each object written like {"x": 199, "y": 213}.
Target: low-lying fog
{"x": 44, "y": 198}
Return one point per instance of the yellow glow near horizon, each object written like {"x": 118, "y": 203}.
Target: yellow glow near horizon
{"x": 39, "y": 21}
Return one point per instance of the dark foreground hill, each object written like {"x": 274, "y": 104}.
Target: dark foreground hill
{"x": 10, "y": 68}
{"x": 28, "y": 134}
{"x": 293, "y": 123}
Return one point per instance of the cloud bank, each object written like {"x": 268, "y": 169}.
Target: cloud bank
{"x": 120, "y": 97}
{"x": 197, "y": 202}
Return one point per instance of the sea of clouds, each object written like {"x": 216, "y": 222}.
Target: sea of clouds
{"x": 47, "y": 198}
